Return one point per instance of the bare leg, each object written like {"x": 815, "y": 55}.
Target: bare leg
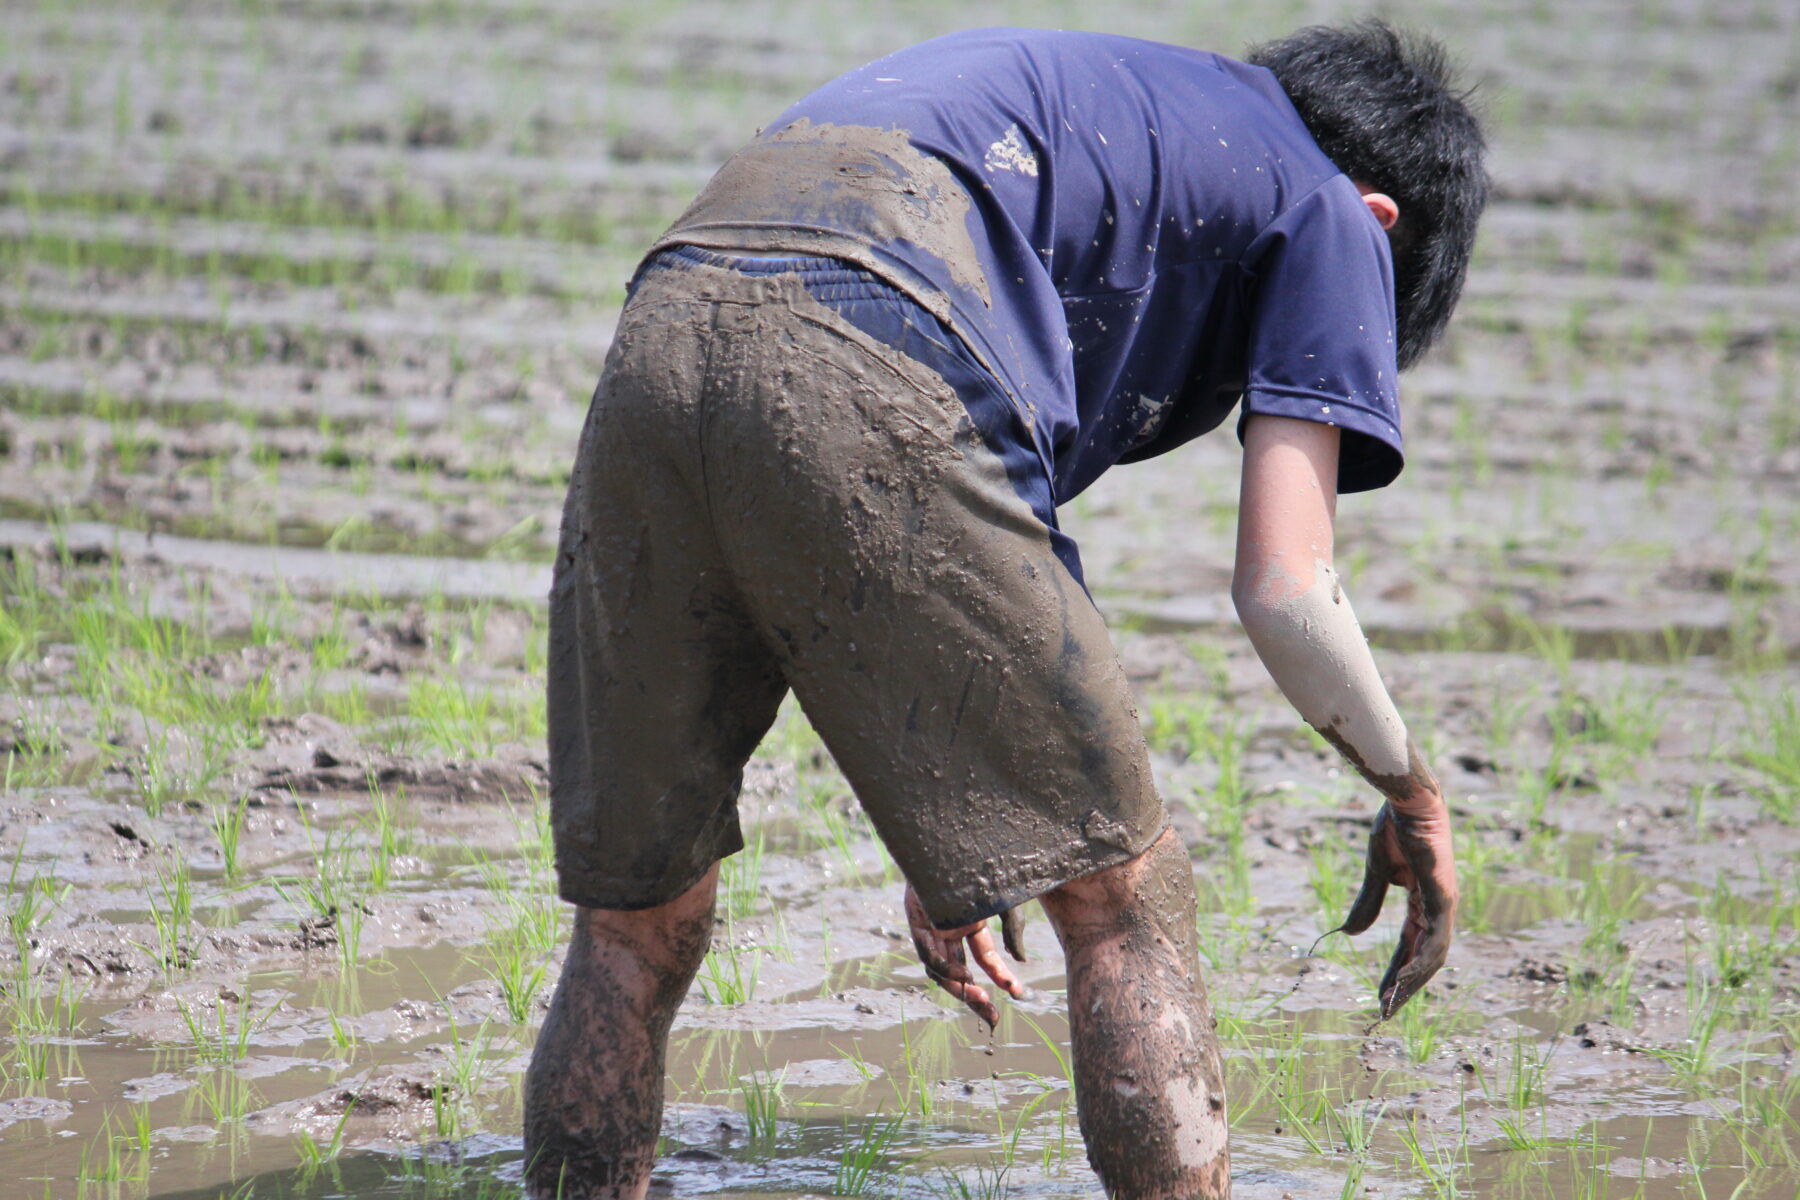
{"x": 594, "y": 1090}
{"x": 1149, "y": 1085}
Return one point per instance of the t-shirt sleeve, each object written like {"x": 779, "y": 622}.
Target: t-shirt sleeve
{"x": 1322, "y": 330}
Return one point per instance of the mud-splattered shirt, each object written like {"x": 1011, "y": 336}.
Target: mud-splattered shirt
{"x": 1130, "y": 236}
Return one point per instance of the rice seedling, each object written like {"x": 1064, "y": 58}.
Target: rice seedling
{"x": 330, "y": 647}
{"x": 34, "y": 1010}
{"x": 728, "y": 975}
{"x": 536, "y": 845}
{"x": 1009, "y": 1140}
{"x": 980, "y": 1181}
{"x": 1441, "y": 1166}
{"x": 1342, "y": 1130}
{"x": 172, "y": 914}
{"x": 470, "y": 722}
{"x": 227, "y": 821}
{"x": 1224, "y": 882}
{"x": 159, "y": 778}
{"x": 1422, "y": 1031}
{"x": 29, "y": 902}
{"x": 1766, "y": 1120}
{"x": 37, "y": 756}
{"x": 222, "y": 1093}
{"x": 1332, "y": 875}
{"x": 461, "y": 1077}
{"x": 342, "y": 1037}
{"x": 1180, "y": 726}
{"x": 313, "y": 1156}
{"x": 348, "y": 705}
{"x": 222, "y": 1040}
{"x": 1753, "y": 936}
{"x": 924, "y": 1056}
{"x": 326, "y": 895}
{"x": 28, "y": 610}
{"x": 1697, "y": 1055}
{"x": 793, "y": 738}
{"x": 762, "y": 1099}
{"x": 740, "y": 878}
{"x": 843, "y": 828}
{"x": 1522, "y": 1093}
{"x": 1607, "y": 900}
{"x": 519, "y": 973}
{"x": 1772, "y": 747}
{"x": 114, "y": 1157}
{"x": 390, "y": 837}
{"x": 273, "y": 617}
{"x": 865, "y": 1071}
{"x": 864, "y": 1165}
{"x": 348, "y": 922}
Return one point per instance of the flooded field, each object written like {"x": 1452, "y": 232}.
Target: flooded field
{"x": 300, "y": 306}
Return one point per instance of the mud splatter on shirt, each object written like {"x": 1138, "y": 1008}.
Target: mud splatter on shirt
{"x": 1132, "y": 237}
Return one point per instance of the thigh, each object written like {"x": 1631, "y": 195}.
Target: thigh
{"x": 957, "y": 671}
{"x": 660, "y": 684}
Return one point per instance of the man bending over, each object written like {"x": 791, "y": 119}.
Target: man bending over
{"x": 933, "y": 301}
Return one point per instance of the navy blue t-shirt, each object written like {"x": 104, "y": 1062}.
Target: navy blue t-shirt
{"x": 1130, "y": 236}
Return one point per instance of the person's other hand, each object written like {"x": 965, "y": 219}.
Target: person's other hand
{"x": 1409, "y": 847}
{"x": 947, "y": 963}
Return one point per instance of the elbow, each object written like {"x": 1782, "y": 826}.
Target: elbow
{"x": 1240, "y": 589}
{"x": 1254, "y": 612}
{"x": 1243, "y": 590}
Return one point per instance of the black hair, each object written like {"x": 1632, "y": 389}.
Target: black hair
{"x": 1384, "y": 107}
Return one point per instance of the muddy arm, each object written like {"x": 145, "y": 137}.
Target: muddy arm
{"x": 1296, "y": 613}
{"x": 1291, "y": 601}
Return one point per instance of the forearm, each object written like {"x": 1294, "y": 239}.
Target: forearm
{"x": 1307, "y": 635}
{"x": 1293, "y": 605}
{"x": 1294, "y": 609}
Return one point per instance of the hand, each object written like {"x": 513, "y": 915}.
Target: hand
{"x": 941, "y": 950}
{"x": 1409, "y": 847}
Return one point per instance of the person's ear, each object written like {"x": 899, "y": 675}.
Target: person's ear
{"x": 1381, "y": 205}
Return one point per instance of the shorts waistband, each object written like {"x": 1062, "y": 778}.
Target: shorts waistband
{"x": 827, "y": 279}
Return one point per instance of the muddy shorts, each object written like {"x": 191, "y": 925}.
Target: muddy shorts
{"x": 767, "y": 497}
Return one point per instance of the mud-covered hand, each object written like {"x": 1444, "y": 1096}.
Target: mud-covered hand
{"x": 947, "y": 962}
{"x": 1409, "y": 847}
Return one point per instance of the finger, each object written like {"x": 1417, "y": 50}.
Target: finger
{"x": 1406, "y": 980}
{"x": 960, "y": 986}
{"x": 942, "y": 967}
{"x": 977, "y": 1001}
{"x": 951, "y": 946}
{"x": 1430, "y": 911}
{"x": 981, "y": 945}
{"x": 940, "y": 953}
{"x": 1369, "y": 899}
{"x": 1012, "y": 931}
{"x": 964, "y": 988}
{"x": 1405, "y": 954}
{"x": 1424, "y": 947}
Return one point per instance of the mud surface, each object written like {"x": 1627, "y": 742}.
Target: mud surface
{"x": 300, "y": 311}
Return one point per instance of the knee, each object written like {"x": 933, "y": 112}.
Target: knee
{"x": 1147, "y": 899}
{"x": 1160, "y": 878}
{"x": 1099, "y": 899}
{"x": 676, "y": 934}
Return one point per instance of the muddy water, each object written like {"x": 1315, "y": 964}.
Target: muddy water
{"x": 299, "y": 315}
{"x": 812, "y": 1029}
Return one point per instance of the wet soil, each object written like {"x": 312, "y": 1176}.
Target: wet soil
{"x": 300, "y": 308}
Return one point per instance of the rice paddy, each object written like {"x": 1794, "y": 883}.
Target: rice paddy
{"x": 300, "y": 308}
